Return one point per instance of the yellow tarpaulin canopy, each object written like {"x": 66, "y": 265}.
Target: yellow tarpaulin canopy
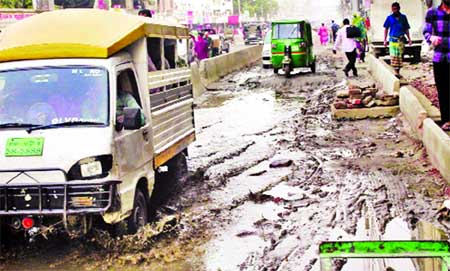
{"x": 79, "y": 33}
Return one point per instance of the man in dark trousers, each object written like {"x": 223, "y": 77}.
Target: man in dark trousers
{"x": 437, "y": 33}
{"x": 348, "y": 46}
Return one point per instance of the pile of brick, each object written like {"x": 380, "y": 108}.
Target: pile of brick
{"x": 363, "y": 96}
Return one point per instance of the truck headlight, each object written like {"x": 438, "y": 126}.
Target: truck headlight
{"x": 90, "y": 169}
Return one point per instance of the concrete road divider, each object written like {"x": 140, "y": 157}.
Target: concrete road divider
{"x": 196, "y": 80}
{"x": 213, "y": 69}
{"x": 437, "y": 143}
{"x": 383, "y": 74}
{"x": 413, "y": 110}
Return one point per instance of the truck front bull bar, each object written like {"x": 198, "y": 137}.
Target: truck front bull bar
{"x": 383, "y": 249}
{"x": 54, "y": 198}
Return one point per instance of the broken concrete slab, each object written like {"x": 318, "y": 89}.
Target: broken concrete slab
{"x": 365, "y": 113}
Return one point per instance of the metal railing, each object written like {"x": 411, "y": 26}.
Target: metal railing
{"x": 383, "y": 249}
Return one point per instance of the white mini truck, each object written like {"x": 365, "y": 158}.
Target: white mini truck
{"x": 84, "y": 125}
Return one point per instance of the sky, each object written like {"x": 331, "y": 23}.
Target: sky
{"x": 313, "y": 10}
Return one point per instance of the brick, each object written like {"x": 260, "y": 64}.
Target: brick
{"x": 356, "y": 97}
{"x": 343, "y": 94}
{"x": 340, "y": 105}
{"x": 355, "y": 91}
{"x": 390, "y": 102}
{"x": 367, "y": 100}
{"x": 371, "y": 104}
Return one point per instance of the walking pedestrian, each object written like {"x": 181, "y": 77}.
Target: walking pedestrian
{"x": 437, "y": 33}
{"x": 334, "y": 29}
{"x": 323, "y": 33}
{"x": 348, "y": 46}
{"x": 397, "y": 26}
{"x": 201, "y": 47}
{"x": 360, "y": 23}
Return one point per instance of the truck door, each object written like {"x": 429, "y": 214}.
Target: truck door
{"x": 134, "y": 148}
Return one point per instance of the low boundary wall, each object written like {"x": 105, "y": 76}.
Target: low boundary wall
{"x": 213, "y": 69}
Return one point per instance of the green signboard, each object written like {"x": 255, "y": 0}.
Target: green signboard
{"x": 22, "y": 147}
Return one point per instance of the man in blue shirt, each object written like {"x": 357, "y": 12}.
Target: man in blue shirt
{"x": 397, "y": 26}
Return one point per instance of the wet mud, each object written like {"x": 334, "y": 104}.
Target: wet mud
{"x": 271, "y": 175}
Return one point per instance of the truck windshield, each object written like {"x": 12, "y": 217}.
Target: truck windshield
{"x": 287, "y": 31}
{"x": 46, "y": 96}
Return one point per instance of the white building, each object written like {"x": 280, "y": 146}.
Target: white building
{"x": 203, "y": 11}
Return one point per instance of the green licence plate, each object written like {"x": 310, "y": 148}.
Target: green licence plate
{"x": 21, "y": 147}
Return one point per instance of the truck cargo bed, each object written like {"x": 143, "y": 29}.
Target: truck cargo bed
{"x": 172, "y": 110}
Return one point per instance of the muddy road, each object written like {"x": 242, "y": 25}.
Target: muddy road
{"x": 271, "y": 175}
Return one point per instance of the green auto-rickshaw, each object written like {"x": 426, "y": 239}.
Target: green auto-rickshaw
{"x": 292, "y": 46}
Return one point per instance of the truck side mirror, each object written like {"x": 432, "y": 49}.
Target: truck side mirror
{"x": 132, "y": 118}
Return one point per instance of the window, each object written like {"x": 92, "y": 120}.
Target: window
{"x": 126, "y": 82}
{"x": 288, "y": 31}
{"x": 54, "y": 95}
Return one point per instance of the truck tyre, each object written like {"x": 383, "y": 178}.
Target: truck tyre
{"x": 139, "y": 215}
{"x": 168, "y": 182}
{"x": 178, "y": 170}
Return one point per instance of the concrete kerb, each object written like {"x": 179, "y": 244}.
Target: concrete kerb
{"x": 383, "y": 74}
{"x": 437, "y": 143}
{"x": 413, "y": 110}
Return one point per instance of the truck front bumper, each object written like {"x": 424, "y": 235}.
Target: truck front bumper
{"x": 59, "y": 198}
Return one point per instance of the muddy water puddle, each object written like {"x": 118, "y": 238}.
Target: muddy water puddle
{"x": 231, "y": 248}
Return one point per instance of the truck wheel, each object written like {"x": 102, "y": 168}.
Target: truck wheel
{"x": 139, "y": 215}
{"x": 168, "y": 182}
{"x": 178, "y": 169}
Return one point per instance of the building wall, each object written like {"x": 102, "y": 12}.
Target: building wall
{"x": 204, "y": 11}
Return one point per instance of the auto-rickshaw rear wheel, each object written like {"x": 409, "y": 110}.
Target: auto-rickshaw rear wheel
{"x": 275, "y": 70}
{"x": 287, "y": 71}
{"x": 313, "y": 67}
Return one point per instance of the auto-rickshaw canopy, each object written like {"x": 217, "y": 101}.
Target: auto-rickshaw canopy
{"x": 79, "y": 33}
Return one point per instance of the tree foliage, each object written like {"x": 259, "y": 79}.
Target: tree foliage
{"x": 257, "y": 8}
{"x": 16, "y": 4}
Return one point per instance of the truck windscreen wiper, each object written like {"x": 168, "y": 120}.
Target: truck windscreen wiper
{"x": 64, "y": 124}
{"x": 17, "y": 125}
